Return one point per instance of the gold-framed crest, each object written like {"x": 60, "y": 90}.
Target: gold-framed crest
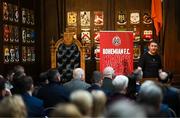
{"x": 98, "y": 18}
{"x": 85, "y": 18}
{"x": 134, "y": 17}
{"x": 121, "y": 18}
{"x": 72, "y": 18}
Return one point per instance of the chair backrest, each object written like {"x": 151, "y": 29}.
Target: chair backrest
{"x": 66, "y": 54}
{"x": 46, "y": 112}
{"x": 173, "y": 113}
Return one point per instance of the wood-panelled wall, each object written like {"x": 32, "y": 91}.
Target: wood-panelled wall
{"x": 171, "y": 39}
{"x": 53, "y": 23}
{"x": 52, "y": 27}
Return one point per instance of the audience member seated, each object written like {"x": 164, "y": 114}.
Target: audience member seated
{"x": 108, "y": 75}
{"x": 3, "y": 90}
{"x": 99, "y": 103}
{"x": 66, "y": 110}
{"x": 83, "y": 100}
{"x": 120, "y": 84}
{"x": 134, "y": 83}
{"x": 150, "y": 98}
{"x": 138, "y": 76}
{"x": 131, "y": 88}
{"x": 124, "y": 109}
{"x": 19, "y": 69}
{"x": 78, "y": 81}
{"x": 16, "y": 81}
{"x": 13, "y": 107}
{"x": 96, "y": 81}
{"x": 33, "y": 104}
{"x": 171, "y": 95}
{"x": 41, "y": 82}
{"x": 53, "y": 93}
{"x": 9, "y": 79}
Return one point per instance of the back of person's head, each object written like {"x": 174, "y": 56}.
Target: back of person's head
{"x": 78, "y": 73}
{"x": 97, "y": 76}
{"x": 99, "y": 102}
{"x": 150, "y": 94}
{"x": 18, "y": 75}
{"x": 109, "y": 72}
{"x": 9, "y": 75}
{"x": 17, "y": 82}
{"x": 131, "y": 89}
{"x": 53, "y": 75}
{"x": 124, "y": 109}
{"x": 43, "y": 77}
{"x": 19, "y": 68}
{"x": 120, "y": 82}
{"x": 27, "y": 83}
{"x": 66, "y": 110}
{"x": 13, "y": 106}
{"x": 83, "y": 100}
{"x": 165, "y": 77}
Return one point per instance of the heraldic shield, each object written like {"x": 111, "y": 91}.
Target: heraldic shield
{"x": 66, "y": 54}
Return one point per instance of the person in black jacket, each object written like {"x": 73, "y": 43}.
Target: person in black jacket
{"x": 150, "y": 62}
{"x": 96, "y": 81}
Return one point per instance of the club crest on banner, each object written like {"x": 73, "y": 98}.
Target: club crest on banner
{"x": 116, "y": 41}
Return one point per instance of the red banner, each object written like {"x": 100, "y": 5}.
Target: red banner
{"x": 116, "y": 50}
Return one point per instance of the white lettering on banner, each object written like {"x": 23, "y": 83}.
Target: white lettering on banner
{"x": 116, "y": 51}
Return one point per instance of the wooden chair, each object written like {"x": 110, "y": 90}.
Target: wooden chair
{"x": 66, "y": 54}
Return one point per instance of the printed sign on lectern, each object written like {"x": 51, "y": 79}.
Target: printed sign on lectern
{"x": 116, "y": 50}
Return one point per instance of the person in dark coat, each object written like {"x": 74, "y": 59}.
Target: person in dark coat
{"x": 150, "y": 62}
{"x": 171, "y": 95}
{"x": 53, "y": 93}
{"x": 108, "y": 76}
{"x": 96, "y": 81}
{"x": 34, "y": 105}
{"x": 120, "y": 84}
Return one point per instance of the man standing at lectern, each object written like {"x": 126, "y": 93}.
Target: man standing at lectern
{"x": 150, "y": 61}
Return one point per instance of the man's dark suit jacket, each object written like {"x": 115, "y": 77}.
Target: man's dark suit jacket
{"x": 94, "y": 87}
{"x": 107, "y": 86}
{"x": 52, "y": 94}
{"x": 34, "y": 105}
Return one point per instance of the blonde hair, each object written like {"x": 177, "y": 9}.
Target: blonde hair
{"x": 66, "y": 110}
{"x": 99, "y": 102}
{"x": 13, "y": 106}
{"x": 83, "y": 100}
